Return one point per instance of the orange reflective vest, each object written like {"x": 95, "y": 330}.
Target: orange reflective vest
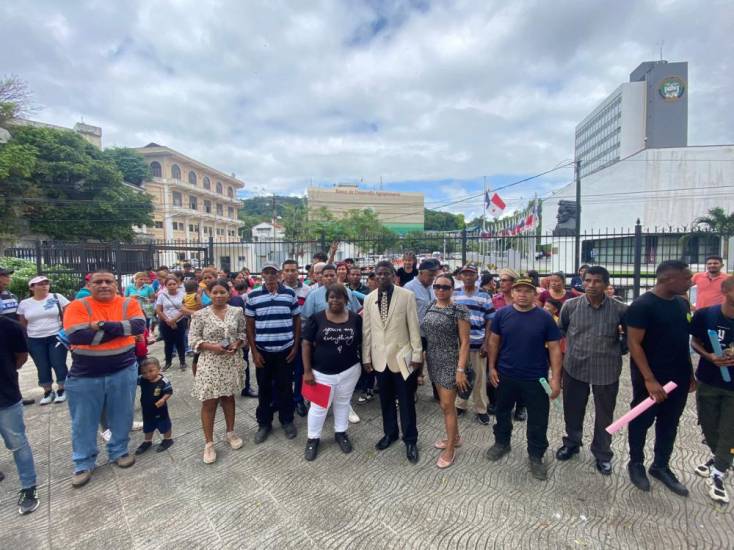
{"x": 80, "y": 313}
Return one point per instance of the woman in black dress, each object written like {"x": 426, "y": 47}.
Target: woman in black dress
{"x": 331, "y": 348}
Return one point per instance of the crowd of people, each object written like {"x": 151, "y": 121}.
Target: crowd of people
{"x": 506, "y": 345}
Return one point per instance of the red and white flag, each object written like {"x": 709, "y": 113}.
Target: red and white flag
{"x": 496, "y": 205}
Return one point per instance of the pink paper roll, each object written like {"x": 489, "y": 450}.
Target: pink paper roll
{"x": 625, "y": 419}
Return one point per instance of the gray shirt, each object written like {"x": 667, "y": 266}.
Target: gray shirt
{"x": 423, "y": 298}
{"x": 593, "y": 353}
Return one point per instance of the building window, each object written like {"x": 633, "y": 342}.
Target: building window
{"x": 192, "y": 177}
{"x": 177, "y": 199}
{"x": 159, "y": 225}
{"x": 193, "y": 205}
{"x": 230, "y": 192}
{"x": 208, "y": 207}
{"x": 191, "y": 227}
{"x": 155, "y": 169}
{"x": 175, "y": 172}
{"x": 220, "y": 232}
{"x": 219, "y": 187}
{"x": 230, "y": 212}
{"x": 207, "y": 183}
{"x": 220, "y": 210}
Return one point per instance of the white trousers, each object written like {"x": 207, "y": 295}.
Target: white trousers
{"x": 342, "y": 388}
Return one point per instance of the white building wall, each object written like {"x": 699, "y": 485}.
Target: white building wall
{"x": 632, "y": 135}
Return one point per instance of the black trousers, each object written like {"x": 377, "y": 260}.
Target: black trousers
{"x": 174, "y": 338}
{"x": 277, "y": 373}
{"x": 393, "y": 386}
{"x": 532, "y": 394}
{"x": 666, "y": 416}
{"x": 575, "y": 398}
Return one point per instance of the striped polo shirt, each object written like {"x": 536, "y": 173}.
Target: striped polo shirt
{"x": 273, "y": 314}
{"x": 480, "y": 307}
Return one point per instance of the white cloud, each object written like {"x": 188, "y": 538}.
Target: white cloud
{"x": 284, "y": 92}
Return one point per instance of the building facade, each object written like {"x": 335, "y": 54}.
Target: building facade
{"x": 193, "y": 201}
{"x": 399, "y": 212}
{"x": 267, "y": 231}
{"x": 649, "y": 111}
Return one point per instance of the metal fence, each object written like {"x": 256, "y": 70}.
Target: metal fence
{"x": 630, "y": 255}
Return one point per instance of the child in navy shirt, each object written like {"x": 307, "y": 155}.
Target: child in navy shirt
{"x": 155, "y": 391}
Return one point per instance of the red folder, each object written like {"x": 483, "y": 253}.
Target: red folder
{"x": 317, "y": 393}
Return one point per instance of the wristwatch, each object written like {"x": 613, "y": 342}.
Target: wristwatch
{"x": 100, "y": 325}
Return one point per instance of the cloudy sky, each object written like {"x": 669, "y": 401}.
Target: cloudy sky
{"x": 430, "y": 96}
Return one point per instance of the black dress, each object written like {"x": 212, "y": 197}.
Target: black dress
{"x": 441, "y": 326}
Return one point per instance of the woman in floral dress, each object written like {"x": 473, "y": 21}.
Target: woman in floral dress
{"x": 217, "y": 333}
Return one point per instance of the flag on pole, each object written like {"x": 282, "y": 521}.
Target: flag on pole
{"x": 496, "y": 205}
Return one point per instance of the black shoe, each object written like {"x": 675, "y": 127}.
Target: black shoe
{"x": 667, "y": 477}
{"x": 385, "y": 442}
{"x": 182, "y": 366}
{"x": 166, "y": 367}
{"x": 262, "y": 434}
{"x": 460, "y": 412}
{"x": 343, "y": 441}
{"x": 604, "y": 467}
{"x": 290, "y": 430}
{"x": 163, "y": 445}
{"x": 638, "y": 477}
{"x": 144, "y": 446}
{"x": 538, "y": 469}
{"x": 312, "y": 449}
{"x": 497, "y": 451}
{"x": 491, "y": 410}
{"x": 2, "y": 476}
{"x": 411, "y": 451}
{"x": 28, "y": 500}
{"x": 28, "y": 401}
{"x": 521, "y": 414}
{"x": 248, "y": 392}
{"x": 301, "y": 409}
{"x": 483, "y": 418}
{"x": 566, "y": 452}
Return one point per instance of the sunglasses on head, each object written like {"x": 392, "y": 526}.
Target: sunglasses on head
{"x": 442, "y": 287}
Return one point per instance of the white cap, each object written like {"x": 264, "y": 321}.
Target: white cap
{"x": 36, "y": 280}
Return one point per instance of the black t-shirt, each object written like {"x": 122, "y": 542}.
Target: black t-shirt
{"x": 337, "y": 346}
{"x": 406, "y": 277}
{"x": 666, "y": 325}
{"x": 150, "y": 392}
{"x": 711, "y": 318}
{"x": 12, "y": 341}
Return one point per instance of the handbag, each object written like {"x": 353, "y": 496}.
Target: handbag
{"x": 470, "y": 378}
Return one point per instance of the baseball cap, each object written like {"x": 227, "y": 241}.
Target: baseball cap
{"x": 270, "y": 265}
{"x": 430, "y": 264}
{"x": 470, "y": 267}
{"x": 4, "y": 271}
{"x": 523, "y": 282}
{"x": 36, "y": 280}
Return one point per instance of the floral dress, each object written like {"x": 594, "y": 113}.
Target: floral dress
{"x": 217, "y": 374}
{"x": 441, "y": 327}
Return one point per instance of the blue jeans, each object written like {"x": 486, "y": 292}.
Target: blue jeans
{"x": 87, "y": 396}
{"x": 48, "y": 354}
{"x": 12, "y": 428}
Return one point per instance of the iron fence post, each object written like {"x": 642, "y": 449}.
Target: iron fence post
{"x": 210, "y": 251}
{"x": 463, "y": 246}
{"x": 118, "y": 263}
{"x": 39, "y": 263}
{"x": 638, "y": 260}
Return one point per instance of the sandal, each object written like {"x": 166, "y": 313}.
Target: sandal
{"x": 443, "y": 463}
{"x": 210, "y": 455}
{"x": 441, "y": 443}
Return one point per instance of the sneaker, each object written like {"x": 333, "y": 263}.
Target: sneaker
{"x": 106, "y": 435}
{"x": 182, "y": 366}
{"x": 234, "y": 440}
{"x": 262, "y": 434}
{"x": 704, "y": 470}
{"x": 79, "y": 479}
{"x": 342, "y": 439}
{"x": 28, "y": 501}
{"x": 60, "y": 396}
{"x": 137, "y": 426}
{"x": 362, "y": 399}
{"x": 210, "y": 455}
{"x": 166, "y": 367}
{"x": 497, "y": 451}
{"x": 717, "y": 491}
{"x": 538, "y": 469}
{"x": 312, "y": 449}
{"x": 290, "y": 430}
{"x": 144, "y": 446}
{"x": 125, "y": 461}
{"x": 48, "y": 397}
{"x": 353, "y": 416}
{"x": 483, "y": 418}
{"x": 163, "y": 445}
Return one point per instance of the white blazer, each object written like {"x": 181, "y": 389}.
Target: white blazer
{"x": 384, "y": 344}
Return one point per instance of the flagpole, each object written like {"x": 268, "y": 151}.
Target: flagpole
{"x": 483, "y": 247}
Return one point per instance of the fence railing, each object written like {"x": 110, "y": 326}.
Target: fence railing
{"x": 630, "y": 255}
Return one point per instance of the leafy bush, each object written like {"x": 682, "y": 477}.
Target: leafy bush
{"x": 62, "y": 281}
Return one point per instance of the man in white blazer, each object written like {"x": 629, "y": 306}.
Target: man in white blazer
{"x": 391, "y": 345}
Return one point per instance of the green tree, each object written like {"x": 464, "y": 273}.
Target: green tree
{"x": 132, "y": 165}
{"x": 435, "y": 220}
{"x": 717, "y": 221}
{"x": 70, "y": 189}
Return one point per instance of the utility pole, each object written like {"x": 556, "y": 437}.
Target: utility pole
{"x": 273, "y": 220}
{"x": 577, "y": 244}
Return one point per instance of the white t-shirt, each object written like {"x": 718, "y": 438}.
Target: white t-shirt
{"x": 172, "y": 304}
{"x": 43, "y": 315}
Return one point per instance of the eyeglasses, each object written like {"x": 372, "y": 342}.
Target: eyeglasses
{"x": 443, "y": 287}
